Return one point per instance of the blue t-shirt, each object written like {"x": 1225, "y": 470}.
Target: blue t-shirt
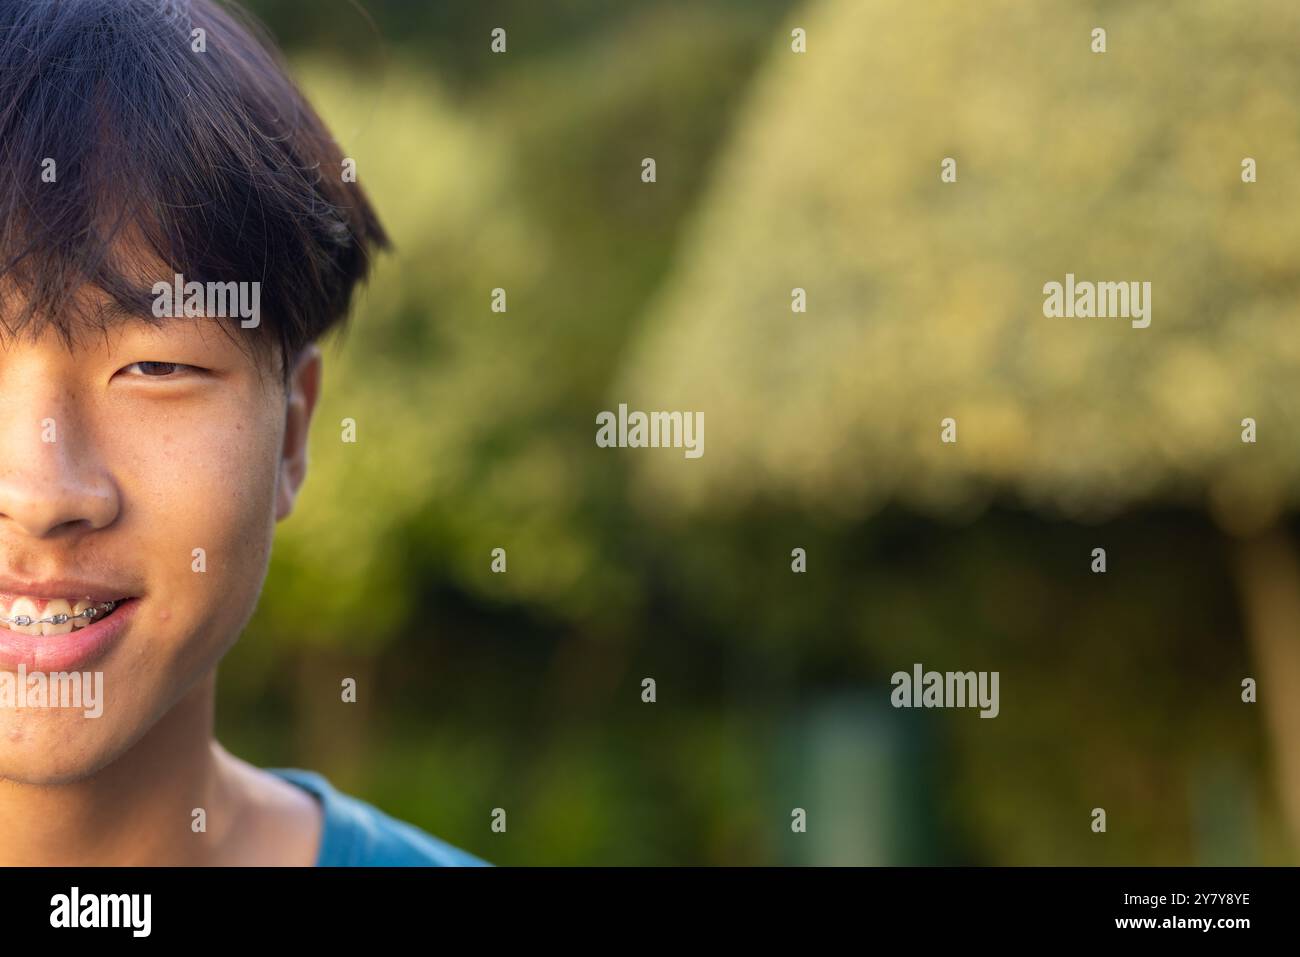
{"x": 357, "y": 834}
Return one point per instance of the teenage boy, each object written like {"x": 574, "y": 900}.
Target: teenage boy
{"x": 149, "y": 146}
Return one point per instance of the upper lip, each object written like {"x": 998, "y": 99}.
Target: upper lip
{"x": 52, "y": 588}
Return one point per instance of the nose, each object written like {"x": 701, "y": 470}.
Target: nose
{"x": 52, "y": 479}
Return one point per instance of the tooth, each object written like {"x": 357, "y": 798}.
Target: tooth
{"x": 77, "y": 609}
{"x": 24, "y": 606}
{"x": 56, "y": 606}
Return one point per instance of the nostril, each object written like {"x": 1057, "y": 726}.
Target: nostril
{"x": 49, "y": 519}
{"x": 46, "y": 499}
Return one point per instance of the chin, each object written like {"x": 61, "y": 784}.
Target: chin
{"x": 53, "y": 748}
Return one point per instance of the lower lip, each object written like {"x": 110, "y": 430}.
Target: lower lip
{"x": 67, "y": 652}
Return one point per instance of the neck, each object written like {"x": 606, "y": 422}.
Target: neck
{"x": 130, "y": 812}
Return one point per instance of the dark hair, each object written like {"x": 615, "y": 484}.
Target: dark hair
{"x": 211, "y": 162}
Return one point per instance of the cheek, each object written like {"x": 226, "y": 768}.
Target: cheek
{"x": 198, "y": 504}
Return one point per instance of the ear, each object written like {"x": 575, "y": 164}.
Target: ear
{"x": 304, "y": 387}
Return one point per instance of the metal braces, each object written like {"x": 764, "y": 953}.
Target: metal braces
{"x": 90, "y": 614}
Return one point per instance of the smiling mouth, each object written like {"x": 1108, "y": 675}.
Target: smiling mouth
{"x": 56, "y": 621}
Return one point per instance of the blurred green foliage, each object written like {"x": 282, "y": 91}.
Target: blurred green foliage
{"x": 475, "y": 430}
{"x": 925, "y": 297}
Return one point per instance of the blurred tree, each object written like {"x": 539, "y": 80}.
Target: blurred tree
{"x": 925, "y": 298}
{"x": 451, "y": 38}
{"x": 472, "y": 426}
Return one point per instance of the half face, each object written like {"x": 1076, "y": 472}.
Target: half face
{"x": 141, "y": 476}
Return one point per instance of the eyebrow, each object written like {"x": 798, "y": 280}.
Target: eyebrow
{"x": 107, "y": 316}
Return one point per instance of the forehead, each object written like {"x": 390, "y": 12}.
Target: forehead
{"x": 87, "y": 315}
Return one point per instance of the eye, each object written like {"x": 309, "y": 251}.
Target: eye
{"x": 160, "y": 370}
